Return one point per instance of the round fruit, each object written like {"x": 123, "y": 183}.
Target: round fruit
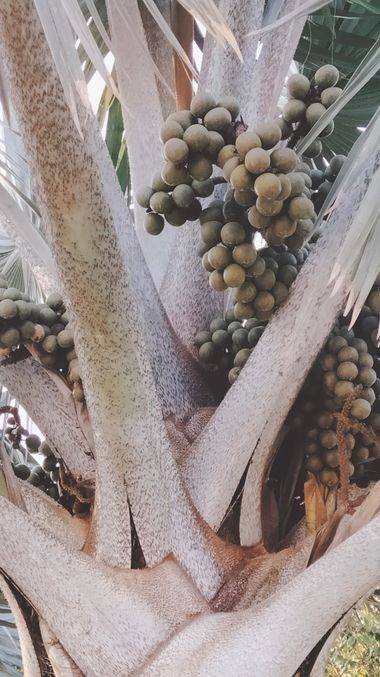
{"x": 158, "y": 184}
{"x": 280, "y": 293}
{"x": 153, "y": 223}
{"x": 257, "y": 268}
{"x": 257, "y": 160}
{"x": 325, "y": 420}
{"x": 183, "y": 117}
{"x": 216, "y": 281}
{"x": 328, "y": 478}
{"x": 297, "y": 183}
{"x": 211, "y": 232}
{"x": 232, "y": 234}
{"x": 313, "y": 464}
{"x": 226, "y": 153}
{"x": 183, "y": 196}
{"x": 32, "y": 442}
{"x": 256, "y": 219}
{"x": 240, "y": 177}
{"x": 286, "y": 128}
{"x": 202, "y": 337}
{"x": 264, "y": 301}
{"x": 221, "y": 338}
{"x": 269, "y": 133}
{"x": 367, "y": 376}
{"x": 300, "y": 208}
{"x": 286, "y": 186}
{"x": 314, "y": 149}
{"x": 360, "y": 409}
{"x": 240, "y": 338}
{"x": 330, "y": 95}
{"x": 266, "y": 281}
{"x": 65, "y": 339}
{"x": 233, "y": 326}
{"x": 246, "y": 142}
{"x": 49, "y": 344}
{"x": 244, "y": 198}
{"x": 360, "y": 346}
{"x": 347, "y": 371}
{"x": 373, "y": 301}
{"x": 336, "y": 343}
{"x": 331, "y": 458}
{"x": 219, "y": 257}
{"x": 218, "y": 119}
{"x": 173, "y": 174}
{"x": 360, "y": 454}
{"x": 10, "y": 337}
{"x": 242, "y": 357}
{"x": 313, "y": 113}
{"x": 170, "y": 130}
{"x": 22, "y": 471}
{"x": 49, "y": 463}
{"x": 365, "y": 360}
{"x": 326, "y": 76}
{"x": 294, "y": 110}
{"x": 234, "y": 275}
{"x": 268, "y": 185}
{"x": 161, "y": 202}
{"x": 328, "y": 439}
{"x": 283, "y": 227}
{"x": 284, "y": 160}
{"x": 12, "y": 293}
{"x": 298, "y": 86}
{"x": 54, "y": 301}
{"x": 231, "y": 104}
{"x": 176, "y": 151}
{"x": 244, "y": 254}
{"x": 268, "y": 207}
{"x": 369, "y": 395}
{"x": 287, "y": 275}
{"x": 304, "y": 227}
{"x": 176, "y": 217}
{"x": 199, "y": 167}
{"x": 343, "y": 389}
{"x": 201, "y": 103}
{"x": 8, "y": 309}
{"x": 329, "y": 380}
{"x": 197, "y": 138}
{"x": 337, "y": 163}
{"x": 27, "y": 329}
{"x": 233, "y": 374}
{"x": 229, "y": 167}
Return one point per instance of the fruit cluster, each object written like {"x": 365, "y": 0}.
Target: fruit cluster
{"x": 343, "y": 364}
{"x": 322, "y": 181}
{"x": 192, "y": 140}
{"x": 46, "y": 325}
{"x": 308, "y": 101}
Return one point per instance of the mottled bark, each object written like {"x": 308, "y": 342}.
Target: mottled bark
{"x": 61, "y": 663}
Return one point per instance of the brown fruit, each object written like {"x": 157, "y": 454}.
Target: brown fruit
{"x": 328, "y": 361}
{"x": 313, "y": 463}
{"x": 173, "y": 175}
{"x": 201, "y": 103}
{"x": 216, "y": 281}
{"x": 257, "y": 160}
{"x": 280, "y": 292}
{"x": 328, "y": 439}
{"x": 343, "y": 389}
{"x": 219, "y": 257}
{"x": 244, "y": 198}
{"x": 231, "y": 104}
{"x": 304, "y": 227}
{"x": 218, "y": 119}
{"x": 245, "y": 142}
{"x": 256, "y": 219}
{"x": 365, "y": 359}
{"x": 336, "y": 343}
{"x": 215, "y": 144}
{"x": 257, "y": 269}
{"x": 294, "y": 110}
{"x": 367, "y": 376}
{"x": 360, "y": 409}
{"x": 269, "y": 133}
{"x": 176, "y": 151}
{"x": 325, "y": 420}
{"x": 285, "y": 127}
{"x": 199, "y": 167}
{"x": 286, "y": 186}
{"x": 373, "y": 301}
{"x": 266, "y": 281}
{"x": 283, "y": 227}
{"x": 211, "y": 232}
{"x": 161, "y": 202}
{"x": 229, "y": 167}
{"x": 264, "y": 301}
{"x": 243, "y": 311}
{"x": 232, "y": 234}
{"x": 226, "y": 153}
{"x": 329, "y": 478}
{"x": 360, "y": 454}
{"x": 170, "y": 130}
{"x": 206, "y": 263}
{"x": 368, "y": 394}
{"x": 300, "y": 208}
{"x": 331, "y": 458}
{"x": 241, "y": 179}
{"x": 284, "y": 160}
{"x": 234, "y": 275}
{"x": 268, "y": 207}
{"x": 247, "y": 292}
{"x": 347, "y": 371}
{"x": 297, "y": 183}
{"x": 244, "y": 254}
{"x": 348, "y": 354}
{"x": 268, "y": 186}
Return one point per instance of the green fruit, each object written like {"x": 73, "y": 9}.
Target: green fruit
{"x": 254, "y": 335}
{"x": 231, "y": 104}
{"x": 314, "y": 149}
{"x": 347, "y": 371}
{"x": 153, "y": 223}
{"x": 22, "y": 471}
{"x": 211, "y": 232}
{"x": 269, "y": 133}
{"x": 10, "y": 337}
{"x": 283, "y": 227}
{"x": 268, "y": 186}
{"x": 229, "y": 167}
{"x": 201, "y": 103}
{"x": 234, "y": 275}
{"x": 208, "y": 352}
{"x": 327, "y": 131}
{"x": 360, "y": 409}
{"x": 313, "y": 113}
{"x": 45, "y": 448}
{"x": 48, "y": 316}
{"x": 245, "y": 142}
{"x": 246, "y": 293}
{"x": 216, "y": 281}
{"x": 328, "y": 439}
{"x": 304, "y": 227}
{"x": 233, "y": 326}
{"x": 27, "y": 329}
{"x": 297, "y": 183}
{"x": 294, "y": 110}
{"x": 284, "y": 160}
{"x": 257, "y": 161}
{"x": 329, "y": 380}
{"x": 54, "y": 301}
{"x": 242, "y": 357}
{"x": 240, "y": 338}
{"x": 232, "y": 234}
{"x": 170, "y": 130}
{"x": 193, "y": 212}
{"x": 244, "y": 254}
{"x": 183, "y": 196}
{"x": 298, "y": 86}
{"x": 233, "y": 374}
{"x": 197, "y": 138}
{"x": 328, "y": 478}
{"x": 219, "y": 257}
{"x": 256, "y": 219}
{"x": 202, "y": 337}
{"x": 264, "y": 301}
{"x": 300, "y": 208}
{"x": 336, "y": 343}
{"x": 34, "y": 479}
{"x": 183, "y": 117}
{"x": 23, "y": 309}
{"x": 313, "y": 464}
{"x": 326, "y": 76}
{"x": 8, "y": 309}
{"x": 199, "y": 167}
{"x": 218, "y": 119}
{"x": 202, "y": 188}
{"x": 161, "y": 202}
{"x": 287, "y": 275}
{"x": 173, "y": 175}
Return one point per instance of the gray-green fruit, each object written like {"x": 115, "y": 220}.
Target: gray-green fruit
{"x": 264, "y": 301}
{"x": 246, "y": 293}
{"x": 202, "y": 337}
{"x": 240, "y": 177}
{"x": 328, "y": 477}
{"x": 176, "y": 151}
{"x": 257, "y": 268}
{"x": 183, "y": 196}
{"x": 8, "y": 309}
{"x": 54, "y": 301}
{"x": 208, "y": 352}
{"x": 233, "y": 374}
{"x": 199, "y": 167}
{"x": 161, "y": 202}
{"x": 197, "y": 138}
{"x": 280, "y": 292}
{"x": 326, "y": 76}
{"x": 231, "y": 104}
{"x": 298, "y": 86}
{"x": 269, "y": 133}
{"x": 143, "y": 196}
{"x": 221, "y": 338}
{"x": 314, "y": 149}
{"x": 266, "y": 281}
{"x": 218, "y": 119}
{"x": 268, "y": 185}
{"x": 13, "y": 294}
{"x": 10, "y": 337}
{"x": 201, "y": 103}
{"x": 49, "y": 344}
{"x": 33, "y": 442}
{"x": 65, "y": 338}
{"x": 211, "y": 232}
{"x": 153, "y": 223}
{"x": 284, "y": 160}
{"x": 294, "y": 110}
{"x": 286, "y": 128}
{"x": 183, "y": 117}
{"x": 347, "y": 371}
{"x": 297, "y": 183}
{"x": 360, "y": 409}
{"x": 336, "y": 343}
{"x": 22, "y": 471}
{"x": 232, "y": 234}
{"x": 24, "y": 311}
{"x": 242, "y": 357}
{"x": 173, "y": 174}
{"x": 219, "y": 257}
{"x": 367, "y": 376}
{"x": 202, "y": 188}
{"x": 158, "y": 184}
{"x": 176, "y": 217}
{"x": 170, "y": 130}
{"x": 48, "y": 316}
{"x": 313, "y": 113}
{"x": 287, "y": 275}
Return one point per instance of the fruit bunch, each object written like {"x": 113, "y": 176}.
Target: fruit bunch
{"x": 25, "y": 467}
{"x": 308, "y": 101}
{"x": 322, "y": 181}
{"x": 192, "y": 140}
{"x": 343, "y": 364}
{"x": 225, "y": 345}
{"x": 44, "y": 326}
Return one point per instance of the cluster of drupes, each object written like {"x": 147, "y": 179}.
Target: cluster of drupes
{"x": 22, "y": 448}
{"x": 44, "y": 327}
{"x": 308, "y": 101}
{"x": 322, "y": 181}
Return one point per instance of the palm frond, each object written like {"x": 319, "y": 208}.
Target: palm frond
{"x": 302, "y": 10}
{"x": 211, "y": 17}
{"x": 10, "y": 651}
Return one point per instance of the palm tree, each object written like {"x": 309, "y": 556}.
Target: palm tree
{"x": 166, "y": 463}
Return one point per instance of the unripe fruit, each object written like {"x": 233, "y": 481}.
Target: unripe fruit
{"x": 257, "y": 160}
{"x": 244, "y": 198}
{"x": 266, "y": 281}
{"x": 221, "y": 338}
{"x": 314, "y": 149}
{"x": 244, "y": 254}
{"x": 206, "y": 263}
{"x": 12, "y": 293}
{"x": 257, "y": 268}
{"x": 336, "y": 343}
{"x": 183, "y": 117}
{"x": 298, "y": 86}
{"x": 369, "y": 395}
{"x": 208, "y": 352}
{"x": 49, "y": 463}
{"x": 326, "y": 76}
{"x": 343, "y": 389}
{"x": 65, "y": 339}
{"x": 329, "y": 478}
{"x": 373, "y": 301}
{"x": 216, "y": 281}
{"x": 201, "y": 103}
{"x": 232, "y": 234}
{"x": 242, "y": 357}
{"x": 231, "y": 104}
{"x": 170, "y": 130}
{"x": 202, "y": 188}
{"x": 269, "y": 133}
{"x": 202, "y": 337}
{"x": 283, "y": 227}
{"x": 229, "y": 167}
{"x": 286, "y": 128}
{"x": 286, "y": 186}
{"x": 268, "y": 207}
{"x": 54, "y": 301}
{"x": 218, "y": 119}
{"x": 176, "y": 217}
{"x": 304, "y": 227}
{"x": 226, "y": 153}
{"x": 360, "y": 409}
{"x": 300, "y": 208}
{"x": 8, "y": 309}
{"x": 199, "y": 167}
{"x": 49, "y": 344}
{"x": 329, "y": 380}
{"x": 219, "y": 257}
{"x": 256, "y": 219}
{"x": 280, "y": 293}
{"x": 161, "y": 202}
{"x": 360, "y": 454}
{"x": 330, "y": 95}
{"x": 284, "y": 160}
{"x": 325, "y": 420}
{"x": 347, "y": 371}
{"x": 10, "y": 337}
{"x": 287, "y": 275}
{"x": 173, "y": 175}
{"x": 158, "y": 184}
{"x": 176, "y": 151}
{"x": 240, "y": 178}
{"x": 297, "y": 183}
{"x": 246, "y": 142}
{"x": 367, "y": 376}
{"x": 294, "y": 110}
{"x": 313, "y": 463}
{"x": 240, "y": 338}
{"x": 328, "y": 439}
{"x": 365, "y": 359}
{"x": 183, "y": 196}
{"x": 254, "y": 335}
{"x": 268, "y": 185}
{"x": 264, "y": 301}
{"x": 197, "y": 138}
{"x": 233, "y": 374}
{"x": 153, "y": 223}
{"x": 211, "y": 232}
{"x": 33, "y": 442}
{"x": 313, "y": 113}
{"x": 22, "y": 471}
{"x": 331, "y": 458}
{"x": 234, "y": 275}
